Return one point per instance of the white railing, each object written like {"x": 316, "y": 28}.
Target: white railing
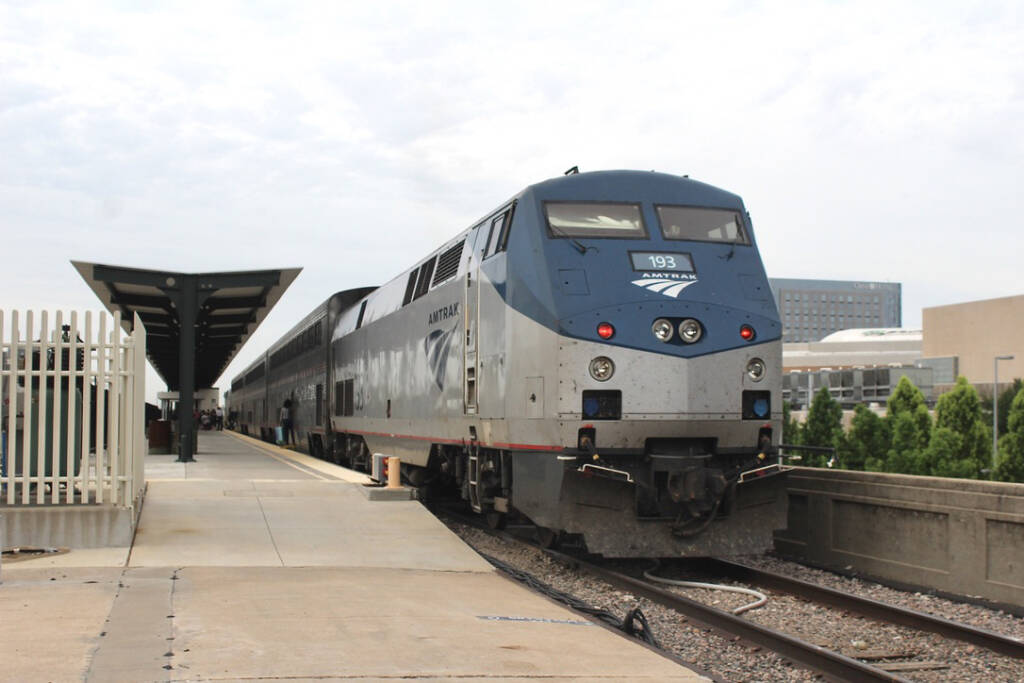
{"x": 73, "y": 415}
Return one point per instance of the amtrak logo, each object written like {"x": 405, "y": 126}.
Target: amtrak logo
{"x": 436, "y": 345}
{"x": 665, "y": 285}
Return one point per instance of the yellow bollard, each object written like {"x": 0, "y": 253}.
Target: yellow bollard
{"x": 394, "y": 472}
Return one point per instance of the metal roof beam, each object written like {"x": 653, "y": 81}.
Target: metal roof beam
{"x": 125, "y": 299}
{"x": 253, "y": 278}
{"x": 236, "y": 301}
{"x": 233, "y": 318}
{"x": 132, "y": 276}
{"x": 218, "y": 332}
{"x": 150, "y": 318}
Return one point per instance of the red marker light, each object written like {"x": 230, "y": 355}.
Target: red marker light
{"x": 747, "y": 332}
{"x": 605, "y": 331}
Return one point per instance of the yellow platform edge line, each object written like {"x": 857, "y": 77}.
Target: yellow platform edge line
{"x": 297, "y": 458}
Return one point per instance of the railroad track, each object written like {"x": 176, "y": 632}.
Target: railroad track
{"x": 829, "y": 663}
{"x": 872, "y": 609}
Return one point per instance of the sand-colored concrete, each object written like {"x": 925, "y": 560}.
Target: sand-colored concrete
{"x": 376, "y": 624}
{"x": 51, "y": 619}
{"x": 253, "y": 564}
{"x": 299, "y": 523}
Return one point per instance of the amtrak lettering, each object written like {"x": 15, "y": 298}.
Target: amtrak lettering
{"x": 672, "y": 276}
{"x": 669, "y": 284}
{"x": 443, "y": 313}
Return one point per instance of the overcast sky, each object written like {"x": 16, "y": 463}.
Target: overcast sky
{"x": 870, "y": 140}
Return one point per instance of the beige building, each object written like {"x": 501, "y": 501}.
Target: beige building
{"x": 974, "y": 333}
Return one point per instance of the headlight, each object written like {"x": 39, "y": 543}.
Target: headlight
{"x": 602, "y": 368}
{"x": 756, "y": 369}
{"x": 690, "y": 330}
{"x": 662, "y": 330}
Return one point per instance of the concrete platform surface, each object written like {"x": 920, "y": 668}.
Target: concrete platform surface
{"x": 258, "y": 563}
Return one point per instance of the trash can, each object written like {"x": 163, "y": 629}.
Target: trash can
{"x": 159, "y": 436}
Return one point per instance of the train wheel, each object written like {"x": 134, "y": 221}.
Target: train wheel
{"x": 496, "y": 520}
{"x": 546, "y": 538}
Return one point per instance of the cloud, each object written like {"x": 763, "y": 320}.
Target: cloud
{"x": 867, "y": 139}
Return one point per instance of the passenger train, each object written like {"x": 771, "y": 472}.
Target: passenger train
{"x": 600, "y": 354}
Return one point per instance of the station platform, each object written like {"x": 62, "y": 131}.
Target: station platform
{"x": 257, "y": 563}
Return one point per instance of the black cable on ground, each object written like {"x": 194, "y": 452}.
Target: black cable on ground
{"x": 643, "y": 632}
{"x": 628, "y": 625}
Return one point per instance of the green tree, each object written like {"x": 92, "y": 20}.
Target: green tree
{"x": 867, "y": 439}
{"x": 904, "y": 455}
{"x": 1006, "y": 397}
{"x": 790, "y": 426}
{"x": 1011, "y": 446}
{"x": 907, "y": 398}
{"x": 963, "y": 442}
{"x": 824, "y": 426}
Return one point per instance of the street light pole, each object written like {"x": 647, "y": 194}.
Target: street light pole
{"x": 995, "y": 410}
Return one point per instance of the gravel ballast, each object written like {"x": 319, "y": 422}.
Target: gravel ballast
{"x": 854, "y": 636}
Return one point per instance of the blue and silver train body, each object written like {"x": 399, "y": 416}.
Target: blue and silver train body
{"x": 601, "y": 354}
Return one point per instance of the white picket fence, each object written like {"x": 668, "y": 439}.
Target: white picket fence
{"x": 73, "y": 409}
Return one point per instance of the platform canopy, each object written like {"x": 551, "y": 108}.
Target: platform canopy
{"x": 228, "y": 309}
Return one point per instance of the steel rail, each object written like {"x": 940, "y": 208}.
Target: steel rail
{"x": 832, "y": 664}
{"x": 867, "y": 607}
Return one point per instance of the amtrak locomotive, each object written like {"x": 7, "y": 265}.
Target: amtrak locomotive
{"x": 600, "y": 354}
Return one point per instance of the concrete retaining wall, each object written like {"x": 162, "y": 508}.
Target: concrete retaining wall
{"x": 956, "y": 536}
{"x": 70, "y": 526}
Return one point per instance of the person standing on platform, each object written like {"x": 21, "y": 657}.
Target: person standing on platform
{"x": 287, "y": 432}
{"x": 220, "y": 419}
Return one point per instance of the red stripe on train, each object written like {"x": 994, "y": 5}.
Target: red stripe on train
{"x": 459, "y": 442}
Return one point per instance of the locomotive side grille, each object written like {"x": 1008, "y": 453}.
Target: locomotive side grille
{"x": 344, "y": 395}
{"x": 448, "y": 264}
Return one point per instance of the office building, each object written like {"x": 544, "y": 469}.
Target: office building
{"x": 813, "y": 309}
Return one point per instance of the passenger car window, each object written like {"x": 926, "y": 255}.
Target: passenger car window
{"x": 700, "y": 224}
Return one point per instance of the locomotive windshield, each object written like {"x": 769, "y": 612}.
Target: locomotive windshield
{"x": 702, "y": 225}
{"x": 593, "y": 219}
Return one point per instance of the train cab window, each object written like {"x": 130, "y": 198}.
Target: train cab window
{"x": 498, "y": 235}
{"x": 594, "y": 219}
{"x": 698, "y": 224}
{"x": 506, "y": 228}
